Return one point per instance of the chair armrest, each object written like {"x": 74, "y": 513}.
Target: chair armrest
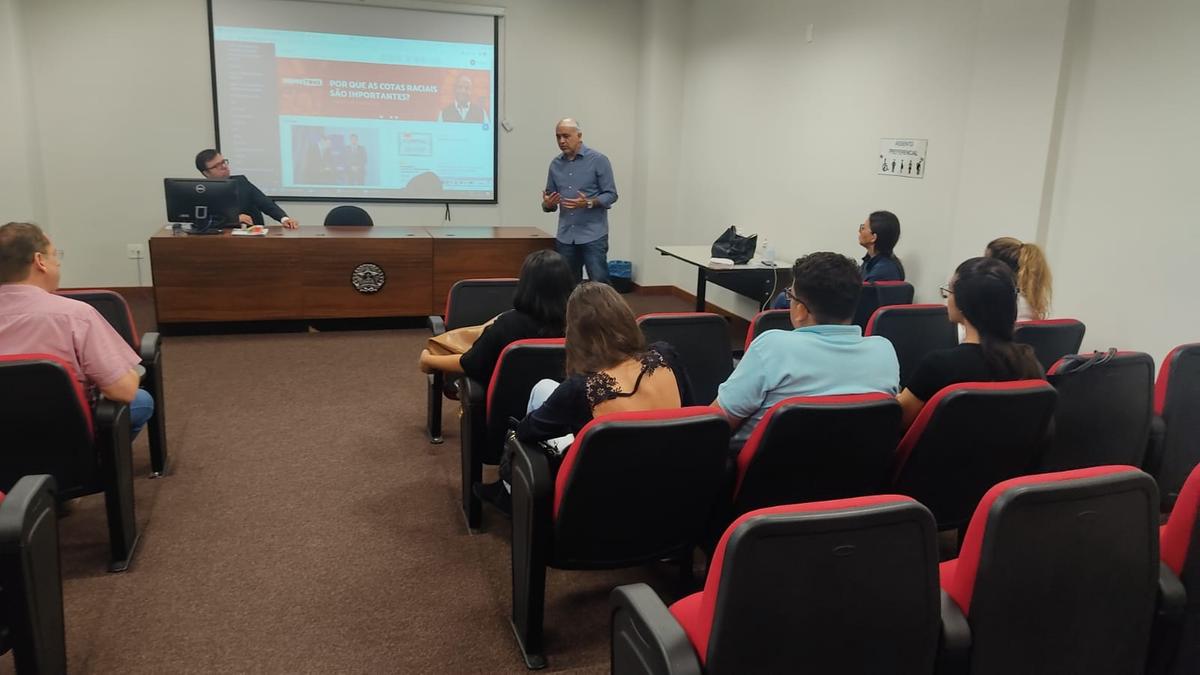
{"x": 1172, "y": 596}
{"x": 532, "y": 499}
{"x": 954, "y": 644}
{"x": 31, "y": 577}
{"x": 1170, "y": 616}
{"x": 151, "y": 348}
{"x": 473, "y": 397}
{"x": 1152, "y": 464}
{"x": 437, "y": 325}
{"x": 645, "y": 637}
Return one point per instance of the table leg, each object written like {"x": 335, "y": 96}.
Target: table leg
{"x": 701, "y": 283}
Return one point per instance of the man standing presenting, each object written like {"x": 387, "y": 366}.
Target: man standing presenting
{"x": 252, "y": 203}
{"x": 580, "y": 186}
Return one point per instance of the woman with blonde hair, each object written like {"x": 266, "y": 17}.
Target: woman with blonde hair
{"x": 1029, "y": 266}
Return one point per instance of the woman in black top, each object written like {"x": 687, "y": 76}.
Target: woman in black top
{"x": 879, "y": 234}
{"x": 609, "y": 370}
{"x": 539, "y": 311}
{"x": 982, "y": 297}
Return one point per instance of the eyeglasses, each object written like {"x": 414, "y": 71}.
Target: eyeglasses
{"x": 791, "y": 295}
{"x": 946, "y": 292}
{"x": 223, "y": 162}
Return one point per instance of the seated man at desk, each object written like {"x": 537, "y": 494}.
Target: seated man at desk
{"x": 252, "y": 203}
{"x": 35, "y": 320}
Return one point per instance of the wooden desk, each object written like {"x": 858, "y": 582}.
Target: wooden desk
{"x": 306, "y": 273}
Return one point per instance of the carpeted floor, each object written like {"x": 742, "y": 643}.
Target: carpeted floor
{"x": 307, "y": 525}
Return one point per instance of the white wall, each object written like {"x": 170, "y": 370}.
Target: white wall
{"x": 1123, "y": 230}
{"x": 121, "y": 96}
{"x": 21, "y": 188}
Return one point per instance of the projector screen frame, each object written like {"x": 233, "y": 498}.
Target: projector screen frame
{"x": 478, "y": 10}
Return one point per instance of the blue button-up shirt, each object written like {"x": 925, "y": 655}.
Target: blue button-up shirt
{"x": 590, "y": 173}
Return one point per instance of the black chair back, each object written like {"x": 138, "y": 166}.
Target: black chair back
{"x": 824, "y": 579}
{"x": 914, "y": 330}
{"x": 472, "y": 302}
{"x": 702, "y": 340}
{"x": 521, "y": 365}
{"x": 771, "y": 319}
{"x": 113, "y": 308}
{"x": 1051, "y": 339}
{"x": 348, "y": 215}
{"x": 638, "y": 486}
{"x": 816, "y": 448}
{"x": 969, "y": 437}
{"x": 1177, "y": 401}
{"x": 30, "y": 577}
{"x": 1105, "y": 406}
{"x": 876, "y": 294}
{"x": 1066, "y": 576}
{"x": 46, "y": 421}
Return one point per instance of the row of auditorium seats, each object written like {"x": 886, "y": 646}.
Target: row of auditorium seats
{"x": 1059, "y": 573}
{"x": 806, "y": 449}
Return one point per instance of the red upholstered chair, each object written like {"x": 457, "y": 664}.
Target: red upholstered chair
{"x": 846, "y": 586}
{"x": 1180, "y": 542}
{"x": 486, "y": 409}
{"x": 1059, "y": 573}
{"x": 969, "y": 437}
{"x": 470, "y": 302}
{"x": 812, "y": 448}
{"x": 49, "y": 427}
{"x": 1105, "y": 404}
{"x": 702, "y": 340}
{"x": 771, "y": 319}
{"x": 876, "y": 294}
{"x": 914, "y": 330}
{"x": 115, "y": 310}
{"x": 634, "y": 487}
{"x": 30, "y": 578}
{"x": 1051, "y": 339}
{"x": 1177, "y": 406}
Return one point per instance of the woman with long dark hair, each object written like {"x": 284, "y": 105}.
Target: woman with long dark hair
{"x": 539, "y": 311}
{"x": 879, "y": 234}
{"x": 982, "y": 298}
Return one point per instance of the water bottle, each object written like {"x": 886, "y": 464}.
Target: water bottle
{"x": 767, "y": 252}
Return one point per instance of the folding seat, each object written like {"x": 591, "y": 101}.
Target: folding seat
{"x": 1105, "y": 404}
{"x": 1059, "y": 573}
{"x": 914, "y": 330}
{"x": 702, "y": 340}
{"x": 846, "y": 586}
{"x": 51, "y": 428}
{"x": 487, "y": 409}
{"x": 1051, "y": 339}
{"x": 1180, "y": 542}
{"x": 876, "y": 294}
{"x": 771, "y": 319}
{"x": 30, "y": 578}
{"x": 969, "y": 437}
{"x": 149, "y": 346}
{"x": 470, "y": 302}
{"x": 814, "y": 448}
{"x": 1177, "y": 404}
{"x": 634, "y": 487}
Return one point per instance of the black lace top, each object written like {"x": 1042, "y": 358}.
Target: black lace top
{"x": 569, "y": 408}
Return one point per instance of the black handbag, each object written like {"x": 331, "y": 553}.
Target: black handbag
{"x": 734, "y": 246}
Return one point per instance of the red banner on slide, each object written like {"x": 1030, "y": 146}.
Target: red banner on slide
{"x": 374, "y": 90}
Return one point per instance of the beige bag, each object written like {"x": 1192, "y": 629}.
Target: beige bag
{"x": 457, "y": 341}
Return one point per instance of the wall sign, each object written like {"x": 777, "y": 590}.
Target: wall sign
{"x": 902, "y": 157}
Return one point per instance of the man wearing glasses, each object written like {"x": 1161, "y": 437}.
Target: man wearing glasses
{"x": 252, "y": 203}
{"x": 824, "y": 355}
{"x": 33, "y": 320}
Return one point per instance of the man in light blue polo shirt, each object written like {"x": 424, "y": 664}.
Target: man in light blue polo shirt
{"x": 824, "y": 355}
{"x": 580, "y": 187}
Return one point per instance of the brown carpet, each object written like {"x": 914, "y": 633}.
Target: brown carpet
{"x": 307, "y": 525}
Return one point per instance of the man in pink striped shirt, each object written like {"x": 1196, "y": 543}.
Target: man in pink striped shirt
{"x": 35, "y": 320}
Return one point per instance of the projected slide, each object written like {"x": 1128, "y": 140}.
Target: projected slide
{"x": 350, "y": 116}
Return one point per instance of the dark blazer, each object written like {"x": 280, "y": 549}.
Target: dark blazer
{"x": 474, "y": 114}
{"x": 252, "y": 202}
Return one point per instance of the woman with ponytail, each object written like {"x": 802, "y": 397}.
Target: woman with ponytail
{"x": 1029, "y": 265}
{"x": 982, "y": 298}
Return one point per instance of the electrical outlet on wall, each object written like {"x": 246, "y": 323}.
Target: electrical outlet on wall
{"x": 134, "y": 251}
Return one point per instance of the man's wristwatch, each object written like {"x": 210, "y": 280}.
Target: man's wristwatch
{"x": 591, "y": 202}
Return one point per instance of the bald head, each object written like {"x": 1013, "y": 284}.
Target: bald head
{"x": 569, "y": 136}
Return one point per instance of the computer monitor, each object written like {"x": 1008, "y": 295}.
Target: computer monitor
{"x": 207, "y": 204}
